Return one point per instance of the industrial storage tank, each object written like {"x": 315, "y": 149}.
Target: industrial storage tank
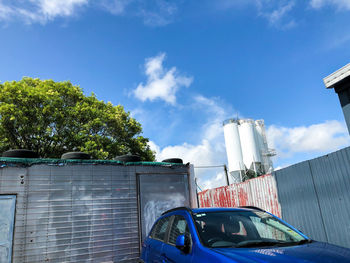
{"x": 247, "y": 149}
{"x": 233, "y": 149}
{"x": 265, "y": 151}
{"x": 250, "y": 146}
{"x": 261, "y": 138}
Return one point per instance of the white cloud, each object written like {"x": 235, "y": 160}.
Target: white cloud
{"x": 53, "y": 8}
{"x": 339, "y": 4}
{"x": 200, "y": 154}
{"x": 161, "y": 82}
{"x": 158, "y": 12}
{"x": 115, "y": 7}
{"x": 277, "y": 12}
{"x": 39, "y": 10}
{"x": 320, "y": 138}
{"x": 217, "y": 181}
{"x": 276, "y": 16}
{"x": 152, "y": 12}
{"x": 210, "y": 151}
{"x": 5, "y": 11}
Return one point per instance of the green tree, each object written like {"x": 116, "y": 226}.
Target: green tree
{"x": 52, "y": 118}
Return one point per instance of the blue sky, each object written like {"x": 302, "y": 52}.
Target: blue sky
{"x": 182, "y": 67}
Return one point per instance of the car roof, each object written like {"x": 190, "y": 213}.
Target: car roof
{"x": 212, "y": 209}
{"x": 218, "y": 209}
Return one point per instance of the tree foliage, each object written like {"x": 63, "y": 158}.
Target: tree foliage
{"x": 55, "y": 117}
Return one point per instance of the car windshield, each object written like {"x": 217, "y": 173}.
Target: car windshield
{"x": 244, "y": 229}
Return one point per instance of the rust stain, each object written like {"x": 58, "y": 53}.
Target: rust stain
{"x": 260, "y": 192}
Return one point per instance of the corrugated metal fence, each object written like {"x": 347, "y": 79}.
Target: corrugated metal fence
{"x": 260, "y": 192}
{"x": 314, "y": 196}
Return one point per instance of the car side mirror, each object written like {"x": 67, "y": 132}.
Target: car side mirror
{"x": 180, "y": 242}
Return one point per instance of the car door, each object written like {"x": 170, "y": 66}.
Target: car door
{"x": 170, "y": 253}
{"x": 156, "y": 240}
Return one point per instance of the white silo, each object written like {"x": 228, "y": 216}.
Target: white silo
{"x": 249, "y": 144}
{"x": 266, "y": 153}
{"x": 261, "y": 138}
{"x": 233, "y": 150}
{"x": 247, "y": 150}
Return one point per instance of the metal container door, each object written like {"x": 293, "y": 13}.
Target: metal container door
{"x": 7, "y": 217}
{"x": 159, "y": 193}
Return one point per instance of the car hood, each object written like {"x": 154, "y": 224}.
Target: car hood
{"x": 312, "y": 252}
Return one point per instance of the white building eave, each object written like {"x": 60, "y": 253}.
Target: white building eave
{"x": 337, "y": 76}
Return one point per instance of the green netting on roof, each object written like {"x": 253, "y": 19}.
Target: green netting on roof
{"x": 4, "y": 161}
{"x": 154, "y": 164}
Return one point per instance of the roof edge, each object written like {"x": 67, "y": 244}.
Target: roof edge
{"x": 337, "y": 76}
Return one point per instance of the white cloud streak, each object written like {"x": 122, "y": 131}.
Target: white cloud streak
{"x": 216, "y": 181}
{"x": 5, "y": 11}
{"x": 39, "y": 10}
{"x": 339, "y": 4}
{"x": 318, "y": 138}
{"x": 115, "y": 7}
{"x": 152, "y": 12}
{"x": 161, "y": 82}
{"x": 159, "y": 13}
{"x": 53, "y": 8}
{"x": 277, "y": 12}
{"x": 210, "y": 151}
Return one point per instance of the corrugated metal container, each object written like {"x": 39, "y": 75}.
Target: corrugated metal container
{"x": 260, "y": 192}
{"x": 314, "y": 196}
{"x": 86, "y": 211}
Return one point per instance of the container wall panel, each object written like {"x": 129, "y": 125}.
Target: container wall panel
{"x": 204, "y": 199}
{"x": 264, "y": 194}
{"x": 260, "y": 192}
{"x": 82, "y": 212}
{"x": 331, "y": 175}
{"x": 314, "y": 196}
{"x": 298, "y": 199}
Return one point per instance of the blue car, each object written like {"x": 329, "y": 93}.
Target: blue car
{"x": 232, "y": 235}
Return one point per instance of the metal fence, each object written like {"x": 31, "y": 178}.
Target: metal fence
{"x": 260, "y": 192}
{"x": 314, "y": 196}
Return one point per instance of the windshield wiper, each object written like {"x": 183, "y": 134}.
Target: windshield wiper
{"x": 260, "y": 243}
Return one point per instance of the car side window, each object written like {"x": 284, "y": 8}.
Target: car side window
{"x": 159, "y": 230}
{"x": 179, "y": 227}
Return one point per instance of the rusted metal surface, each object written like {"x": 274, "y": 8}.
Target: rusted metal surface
{"x": 260, "y": 192}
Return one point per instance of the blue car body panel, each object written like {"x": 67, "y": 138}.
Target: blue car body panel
{"x": 157, "y": 251}
{"x": 313, "y": 252}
